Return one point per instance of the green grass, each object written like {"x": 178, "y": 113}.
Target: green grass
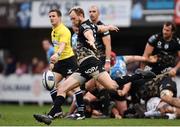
{"x": 22, "y": 116}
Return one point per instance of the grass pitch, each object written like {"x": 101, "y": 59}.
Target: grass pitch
{"x": 14, "y": 115}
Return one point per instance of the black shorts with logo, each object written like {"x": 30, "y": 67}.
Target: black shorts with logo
{"x": 66, "y": 67}
{"x": 89, "y": 67}
{"x": 103, "y": 60}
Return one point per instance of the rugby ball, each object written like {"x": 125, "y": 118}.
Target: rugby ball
{"x": 48, "y": 80}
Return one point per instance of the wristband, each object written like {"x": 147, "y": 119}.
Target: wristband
{"x": 108, "y": 60}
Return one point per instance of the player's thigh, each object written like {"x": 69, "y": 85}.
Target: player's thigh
{"x": 105, "y": 80}
{"x": 69, "y": 84}
{"x": 99, "y": 85}
{"x": 90, "y": 85}
{"x": 58, "y": 78}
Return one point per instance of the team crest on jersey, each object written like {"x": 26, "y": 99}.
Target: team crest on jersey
{"x": 166, "y": 46}
{"x": 159, "y": 44}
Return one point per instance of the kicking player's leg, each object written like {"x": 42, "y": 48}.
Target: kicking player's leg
{"x": 105, "y": 80}
{"x": 70, "y": 83}
{"x": 53, "y": 92}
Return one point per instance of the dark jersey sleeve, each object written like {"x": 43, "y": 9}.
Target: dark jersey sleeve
{"x": 104, "y": 33}
{"x": 153, "y": 40}
{"x": 84, "y": 27}
{"x": 178, "y": 43}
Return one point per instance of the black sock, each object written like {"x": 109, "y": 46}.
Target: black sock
{"x": 80, "y": 102}
{"x": 126, "y": 79}
{"x": 57, "y": 105}
{"x": 105, "y": 101}
{"x": 53, "y": 94}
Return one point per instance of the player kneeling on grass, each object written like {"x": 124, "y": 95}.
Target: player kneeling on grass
{"x": 158, "y": 108}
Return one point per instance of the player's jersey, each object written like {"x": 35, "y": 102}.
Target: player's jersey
{"x": 74, "y": 41}
{"x": 99, "y": 42}
{"x": 167, "y": 51}
{"x": 83, "y": 47}
{"x": 62, "y": 34}
{"x": 119, "y": 69}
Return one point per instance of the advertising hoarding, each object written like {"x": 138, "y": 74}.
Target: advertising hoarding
{"x": 152, "y": 12}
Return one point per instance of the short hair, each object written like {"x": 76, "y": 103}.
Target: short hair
{"x": 57, "y": 11}
{"x": 171, "y": 24}
{"x": 77, "y": 10}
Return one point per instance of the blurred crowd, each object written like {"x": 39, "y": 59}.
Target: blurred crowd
{"x": 9, "y": 65}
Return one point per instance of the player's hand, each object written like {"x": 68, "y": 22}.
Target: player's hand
{"x": 107, "y": 66}
{"x": 172, "y": 72}
{"x": 54, "y": 58}
{"x": 121, "y": 93}
{"x": 113, "y": 28}
{"x": 153, "y": 59}
{"x": 117, "y": 116}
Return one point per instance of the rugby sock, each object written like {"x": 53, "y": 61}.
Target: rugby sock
{"x": 105, "y": 101}
{"x": 80, "y": 102}
{"x": 53, "y": 94}
{"x": 57, "y": 103}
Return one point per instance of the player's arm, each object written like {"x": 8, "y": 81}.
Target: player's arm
{"x": 134, "y": 58}
{"x": 175, "y": 69}
{"x": 64, "y": 38}
{"x": 125, "y": 89}
{"x": 54, "y": 58}
{"x": 104, "y": 28}
{"x": 107, "y": 44}
{"x": 147, "y": 53}
{"x": 90, "y": 38}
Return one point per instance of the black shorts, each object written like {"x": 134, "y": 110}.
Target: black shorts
{"x": 66, "y": 67}
{"x": 103, "y": 60}
{"x": 118, "y": 98}
{"x": 168, "y": 84}
{"x": 89, "y": 67}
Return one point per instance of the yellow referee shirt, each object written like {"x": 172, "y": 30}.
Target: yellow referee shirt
{"x": 62, "y": 34}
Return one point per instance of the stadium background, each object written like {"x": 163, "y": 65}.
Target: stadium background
{"x": 24, "y": 24}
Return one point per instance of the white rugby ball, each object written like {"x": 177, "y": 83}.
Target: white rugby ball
{"x": 48, "y": 80}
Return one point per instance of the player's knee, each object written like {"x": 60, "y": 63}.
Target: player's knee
{"x": 61, "y": 90}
